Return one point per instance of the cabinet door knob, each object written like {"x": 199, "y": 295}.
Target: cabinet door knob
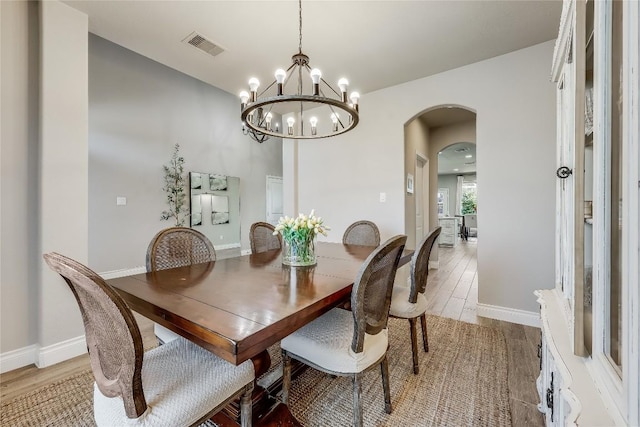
{"x": 563, "y": 172}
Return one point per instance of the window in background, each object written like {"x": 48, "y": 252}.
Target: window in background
{"x": 469, "y": 198}
{"x": 443, "y": 202}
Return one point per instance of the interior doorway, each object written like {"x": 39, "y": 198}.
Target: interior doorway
{"x": 430, "y": 132}
{"x": 274, "y": 199}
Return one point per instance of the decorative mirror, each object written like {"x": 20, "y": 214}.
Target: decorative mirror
{"x": 215, "y": 208}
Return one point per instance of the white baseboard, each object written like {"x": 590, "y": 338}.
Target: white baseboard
{"x": 15, "y": 359}
{"x": 114, "y": 274}
{"x": 227, "y": 246}
{"x": 43, "y": 356}
{"x": 434, "y": 265}
{"x": 58, "y": 352}
{"x": 61, "y": 351}
{"x": 507, "y": 314}
{"x": 245, "y": 252}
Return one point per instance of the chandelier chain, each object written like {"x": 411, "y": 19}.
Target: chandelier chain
{"x": 300, "y": 26}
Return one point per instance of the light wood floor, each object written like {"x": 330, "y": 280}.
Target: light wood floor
{"x": 452, "y": 292}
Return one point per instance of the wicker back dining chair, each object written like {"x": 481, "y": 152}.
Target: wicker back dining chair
{"x": 262, "y": 239}
{"x": 410, "y": 302}
{"x": 348, "y": 343}
{"x": 178, "y": 384}
{"x": 178, "y": 247}
{"x": 363, "y": 233}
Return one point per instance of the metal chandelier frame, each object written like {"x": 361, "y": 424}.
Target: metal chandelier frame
{"x": 258, "y": 109}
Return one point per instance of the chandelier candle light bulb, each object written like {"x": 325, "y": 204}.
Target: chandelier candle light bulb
{"x": 290, "y": 122}
{"x": 254, "y": 84}
{"x": 343, "y": 84}
{"x": 299, "y": 235}
{"x": 316, "y": 75}
{"x": 334, "y": 119}
{"x": 280, "y": 75}
{"x": 244, "y": 98}
{"x": 314, "y": 123}
{"x": 355, "y": 96}
{"x": 268, "y": 119}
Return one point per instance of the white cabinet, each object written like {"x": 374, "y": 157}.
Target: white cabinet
{"x": 590, "y": 354}
{"x": 449, "y": 233}
{"x": 568, "y": 396}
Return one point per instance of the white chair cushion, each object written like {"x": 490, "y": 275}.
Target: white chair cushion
{"x": 401, "y": 307}
{"x": 182, "y": 382}
{"x": 165, "y": 335}
{"x": 326, "y": 342}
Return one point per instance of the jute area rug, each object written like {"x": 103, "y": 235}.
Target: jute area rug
{"x": 462, "y": 382}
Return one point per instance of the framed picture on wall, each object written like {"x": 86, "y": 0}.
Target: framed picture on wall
{"x": 409, "y": 183}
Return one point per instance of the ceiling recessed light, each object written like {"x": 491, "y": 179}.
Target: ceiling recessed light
{"x": 468, "y": 156}
{"x": 456, "y": 170}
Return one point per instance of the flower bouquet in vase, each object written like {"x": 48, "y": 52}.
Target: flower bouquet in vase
{"x": 299, "y": 235}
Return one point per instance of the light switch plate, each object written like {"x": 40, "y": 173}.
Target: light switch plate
{"x": 121, "y": 201}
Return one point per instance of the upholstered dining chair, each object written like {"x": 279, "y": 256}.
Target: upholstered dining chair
{"x": 363, "y": 233}
{"x": 176, "y": 384}
{"x": 177, "y": 247}
{"x": 262, "y": 239}
{"x": 410, "y": 302}
{"x": 348, "y": 343}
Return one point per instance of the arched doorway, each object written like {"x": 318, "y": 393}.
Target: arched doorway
{"x": 426, "y": 134}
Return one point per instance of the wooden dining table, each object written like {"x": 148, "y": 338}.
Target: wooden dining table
{"x": 238, "y": 307}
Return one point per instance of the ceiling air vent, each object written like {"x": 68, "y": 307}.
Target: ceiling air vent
{"x": 202, "y": 43}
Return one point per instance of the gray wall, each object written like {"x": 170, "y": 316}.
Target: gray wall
{"x": 18, "y": 174}
{"x": 138, "y": 109}
{"x": 515, "y": 134}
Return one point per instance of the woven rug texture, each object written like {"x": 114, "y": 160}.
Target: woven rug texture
{"x": 462, "y": 382}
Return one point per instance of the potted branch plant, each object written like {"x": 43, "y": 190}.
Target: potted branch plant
{"x": 174, "y": 187}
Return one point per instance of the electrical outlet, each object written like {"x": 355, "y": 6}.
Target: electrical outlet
{"x": 383, "y": 197}
{"x": 121, "y": 201}
{"x": 221, "y": 237}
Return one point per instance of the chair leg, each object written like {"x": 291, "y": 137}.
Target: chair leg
{"x": 246, "y": 404}
{"x": 425, "y": 339}
{"x": 384, "y": 369}
{"x": 414, "y": 344}
{"x": 286, "y": 377}
{"x": 357, "y": 403}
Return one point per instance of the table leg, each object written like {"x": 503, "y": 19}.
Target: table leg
{"x": 267, "y": 411}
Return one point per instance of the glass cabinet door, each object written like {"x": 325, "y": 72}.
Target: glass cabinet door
{"x": 613, "y": 206}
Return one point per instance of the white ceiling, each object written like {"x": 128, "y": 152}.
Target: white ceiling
{"x": 375, "y": 44}
{"x": 457, "y": 159}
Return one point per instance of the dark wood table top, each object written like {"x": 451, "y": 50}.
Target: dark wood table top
{"x": 238, "y": 307}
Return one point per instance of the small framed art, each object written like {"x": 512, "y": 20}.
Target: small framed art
{"x": 409, "y": 183}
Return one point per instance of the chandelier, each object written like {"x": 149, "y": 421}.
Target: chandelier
{"x": 320, "y": 113}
